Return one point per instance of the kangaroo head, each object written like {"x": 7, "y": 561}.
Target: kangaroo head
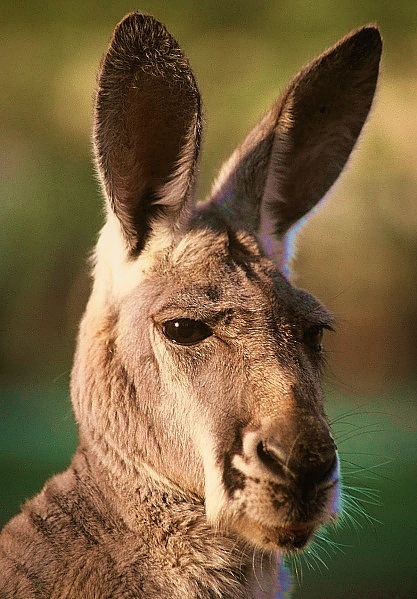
{"x": 198, "y": 361}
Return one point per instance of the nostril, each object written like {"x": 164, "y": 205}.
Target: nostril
{"x": 274, "y": 458}
{"x": 271, "y": 457}
{"x": 322, "y": 471}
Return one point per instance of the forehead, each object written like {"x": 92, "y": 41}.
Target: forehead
{"x": 222, "y": 262}
{"x": 227, "y": 269}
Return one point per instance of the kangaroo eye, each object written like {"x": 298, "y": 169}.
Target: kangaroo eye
{"x": 313, "y": 337}
{"x": 185, "y": 331}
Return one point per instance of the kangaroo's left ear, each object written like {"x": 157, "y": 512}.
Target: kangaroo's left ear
{"x": 294, "y": 155}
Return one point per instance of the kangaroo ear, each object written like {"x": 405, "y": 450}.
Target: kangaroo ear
{"x": 297, "y": 151}
{"x": 147, "y": 128}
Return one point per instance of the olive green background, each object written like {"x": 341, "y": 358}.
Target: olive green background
{"x": 358, "y": 252}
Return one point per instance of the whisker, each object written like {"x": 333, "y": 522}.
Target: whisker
{"x": 369, "y": 496}
{"x": 355, "y": 469}
{"x": 360, "y": 431}
{"x": 322, "y": 536}
{"x": 354, "y": 505}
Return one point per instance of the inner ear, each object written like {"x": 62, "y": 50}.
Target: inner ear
{"x": 147, "y": 127}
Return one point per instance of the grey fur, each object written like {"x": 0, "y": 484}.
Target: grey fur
{"x": 201, "y": 458}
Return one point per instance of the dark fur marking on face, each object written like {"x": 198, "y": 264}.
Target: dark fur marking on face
{"x": 243, "y": 257}
{"x": 277, "y": 503}
{"x": 277, "y": 488}
{"x": 233, "y": 479}
{"x": 213, "y": 293}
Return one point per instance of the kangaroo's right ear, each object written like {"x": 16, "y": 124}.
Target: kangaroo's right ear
{"x": 294, "y": 155}
{"x": 147, "y": 128}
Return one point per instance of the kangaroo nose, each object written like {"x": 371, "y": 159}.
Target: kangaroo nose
{"x": 309, "y": 468}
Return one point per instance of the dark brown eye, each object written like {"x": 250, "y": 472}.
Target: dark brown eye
{"x": 313, "y": 337}
{"x": 185, "y": 331}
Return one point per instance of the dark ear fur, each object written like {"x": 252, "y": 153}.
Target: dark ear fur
{"x": 294, "y": 155}
{"x": 147, "y": 127}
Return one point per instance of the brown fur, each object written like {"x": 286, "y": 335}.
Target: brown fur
{"x": 196, "y": 383}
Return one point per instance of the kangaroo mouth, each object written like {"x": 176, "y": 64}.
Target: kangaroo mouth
{"x": 289, "y": 538}
{"x": 286, "y": 538}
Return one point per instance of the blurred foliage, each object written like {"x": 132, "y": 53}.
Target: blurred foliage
{"x": 358, "y": 254}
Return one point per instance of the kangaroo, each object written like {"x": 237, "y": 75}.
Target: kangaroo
{"x": 204, "y": 451}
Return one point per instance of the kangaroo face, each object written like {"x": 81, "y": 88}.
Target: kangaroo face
{"x": 231, "y": 355}
{"x": 198, "y": 361}
{"x": 243, "y": 349}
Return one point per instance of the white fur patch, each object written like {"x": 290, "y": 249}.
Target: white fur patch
{"x": 215, "y": 496}
{"x": 115, "y": 273}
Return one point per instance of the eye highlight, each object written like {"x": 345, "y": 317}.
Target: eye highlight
{"x": 185, "y": 331}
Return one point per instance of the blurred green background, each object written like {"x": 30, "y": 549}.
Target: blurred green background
{"x": 358, "y": 252}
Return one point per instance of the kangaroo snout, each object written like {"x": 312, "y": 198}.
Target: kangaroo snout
{"x": 307, "y": 460}
{"x": 307, "y": 469}
{"x": 288, "y": 481}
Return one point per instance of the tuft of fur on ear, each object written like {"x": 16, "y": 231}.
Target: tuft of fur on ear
{"x": 147, "y": 128}
{"x": 294, "y": 155}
